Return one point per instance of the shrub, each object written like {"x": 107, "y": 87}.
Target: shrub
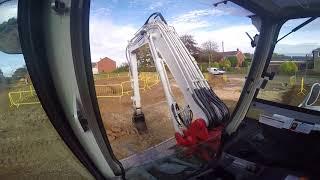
{"x": 246, "y": 62}
{"x": 288, "y": 68}
{"x": 215, "y": 64}
{"x": 122, "y": 68}
{"x": 203, "y": 67}
{"x": 233, "y": 60}
{"x": 149, "y": 69}
{"x": 225, "y": 64}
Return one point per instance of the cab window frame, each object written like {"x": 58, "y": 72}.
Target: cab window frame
{"x": 34, "y": 52}
{"x": 278, "y": 104}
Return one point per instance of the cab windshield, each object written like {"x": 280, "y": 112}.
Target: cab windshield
{"x": 296, "y": 64}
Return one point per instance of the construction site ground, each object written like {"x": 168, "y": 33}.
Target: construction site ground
{"x": 117, "y": 114}
{"x": 30, "y": 147}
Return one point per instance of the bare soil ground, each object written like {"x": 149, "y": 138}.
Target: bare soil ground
{"x": 30, "y": 148}
{"x": 117, "y": 114}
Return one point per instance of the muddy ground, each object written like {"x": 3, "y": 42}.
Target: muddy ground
{"x": 30, "y": 148}
{"x": 117, "y": 114}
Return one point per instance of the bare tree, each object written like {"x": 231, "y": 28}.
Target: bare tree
{"x": 210, "y": 48}
{"x": 190, "y": 44}
{"x": 144, "y": 56}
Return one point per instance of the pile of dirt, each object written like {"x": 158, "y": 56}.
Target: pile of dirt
{"x": 293, "y": 97}
{"x": 117, "y": 118}
{"x": 115, "y": 132}
{"x": 216, "y": 81}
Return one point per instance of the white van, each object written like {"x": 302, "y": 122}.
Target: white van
{"x": 215, "y": 71}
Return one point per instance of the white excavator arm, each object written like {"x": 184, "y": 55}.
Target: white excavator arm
{"x": 167, "y": 49}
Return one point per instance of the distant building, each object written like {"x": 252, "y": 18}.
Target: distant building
{"x": 316, "y": 59}
{"x": 238, "y": 54}
{"x": 105, "y": 65}
{"x": 94, "y": 68}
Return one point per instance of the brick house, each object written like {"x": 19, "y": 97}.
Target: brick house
{"x": 105, "y": 65}
{"x": 238, "y": 54}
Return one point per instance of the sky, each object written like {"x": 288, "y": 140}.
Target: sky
{"x": 114, "y": 22}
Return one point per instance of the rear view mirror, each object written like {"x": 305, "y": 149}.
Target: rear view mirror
{"x": 9, "y": 37}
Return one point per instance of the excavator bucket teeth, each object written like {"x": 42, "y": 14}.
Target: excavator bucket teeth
{"x": 140, "y": 123}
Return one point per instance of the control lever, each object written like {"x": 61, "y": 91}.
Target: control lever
{"x": 254, "y": 40}
{"x": 269, "y": 75}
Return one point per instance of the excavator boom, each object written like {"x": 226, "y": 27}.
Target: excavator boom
{"x": 168, "y": 50}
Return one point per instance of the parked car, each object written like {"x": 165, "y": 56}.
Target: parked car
{"x": 215, "y": 71}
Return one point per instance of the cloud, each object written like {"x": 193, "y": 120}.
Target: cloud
{"x": 233, "y": 37}
{"x": 235, "y": 10}
{"x": 150, "y": 5}
{"x": 99, "y": 12}
{"x": 195, "y": 23}
{"x": 136, "y": 3}
{"x": 108, "y": 39}
{"x": 193, "y": 20}
{"x": 188, "y": 27}
{"x": 155, "y": 5}
{"x": 195, "y": 15}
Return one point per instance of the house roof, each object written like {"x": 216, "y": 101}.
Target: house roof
{"x": 94, "y": 64}
{"x": 106, "y": 59}
{"x": 229, "y": 53}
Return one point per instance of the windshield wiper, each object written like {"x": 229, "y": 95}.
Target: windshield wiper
{"x": 298, "y": 27}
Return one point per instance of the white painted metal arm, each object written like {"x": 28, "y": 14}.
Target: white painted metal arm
{"x": 167, "y": 49}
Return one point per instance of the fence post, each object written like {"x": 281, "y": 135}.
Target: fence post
{"x": 10, "y": 99}
{"x": 225, "y": 78}
{"x": 302, "y": 89}
{"x": 30, "y": 88}
{"x": 122, "y": 89}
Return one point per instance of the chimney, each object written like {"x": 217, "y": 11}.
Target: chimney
{"x": 222, "y": 50}
{"x": 237, "y": 49}
{"x": 222, "y": 47}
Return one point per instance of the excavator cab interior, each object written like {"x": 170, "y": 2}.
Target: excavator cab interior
{"x": 261, "y": 138}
